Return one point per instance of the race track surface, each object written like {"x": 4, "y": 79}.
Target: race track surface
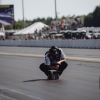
{"x": 21, "y": 79}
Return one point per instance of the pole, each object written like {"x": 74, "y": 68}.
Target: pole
{"x": 55, "y": 14}
{"x": 0, "y": 2}
{"x": 2, "y": 26}
{"x": 23, "y": 14}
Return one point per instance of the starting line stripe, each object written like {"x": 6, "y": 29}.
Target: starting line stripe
{"x": 42, "y": 56}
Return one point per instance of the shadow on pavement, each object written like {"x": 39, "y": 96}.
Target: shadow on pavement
{"x": 36, "y": 80}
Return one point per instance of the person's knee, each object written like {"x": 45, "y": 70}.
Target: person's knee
{"x": 41, "y": 66}
{"x": 64, "y": 64}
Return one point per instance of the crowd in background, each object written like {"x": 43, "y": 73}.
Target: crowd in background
{"x": 61, "y": 25}
{"x": 56, "y": 26}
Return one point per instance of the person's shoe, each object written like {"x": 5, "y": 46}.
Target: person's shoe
{"x": 56, "y": 75}
{"x": 50, "y": 76}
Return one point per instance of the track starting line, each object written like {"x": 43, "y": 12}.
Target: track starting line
{"x": 97, "y": 60}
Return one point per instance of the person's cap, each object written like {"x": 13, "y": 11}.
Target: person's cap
{"x": 54, "y": 50}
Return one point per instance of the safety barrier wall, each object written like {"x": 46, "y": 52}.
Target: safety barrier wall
{"x": 48, "y": 43}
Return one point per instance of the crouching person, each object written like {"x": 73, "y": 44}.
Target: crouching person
{"x": 54, "y": 59}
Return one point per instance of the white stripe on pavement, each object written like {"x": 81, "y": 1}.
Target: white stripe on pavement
{"x": 16, "y": 92}
{"x": 4, "y": 97}
{"x": 42, "y": 56}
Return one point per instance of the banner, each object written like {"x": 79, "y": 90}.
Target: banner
{"x": 7, "y": 14}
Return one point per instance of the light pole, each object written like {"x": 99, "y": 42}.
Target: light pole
{"x": 2, "y": 26}
{"x": 23, "y": 14}
{"x": 0, "y": 2}
{"x": 55, "y": 14}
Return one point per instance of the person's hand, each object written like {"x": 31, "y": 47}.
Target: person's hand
{"x": 51, "y": 67}
{"x": 54, "y": 67}
{"x": 59, "y": 62}
{"x": 57, "y": 66}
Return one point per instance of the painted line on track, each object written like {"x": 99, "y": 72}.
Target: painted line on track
{"x": 16, "y": 92}
{"x": 4, "y": 97}
{"x": 97, "y": 60}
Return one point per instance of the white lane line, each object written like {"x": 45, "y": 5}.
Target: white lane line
{"x": 3, "y": 97}
{"x": 84, "y": 59}
{"x": 42, "y": 56}
{"x": 24, "y": 55}
{"x": 15, "y": 91}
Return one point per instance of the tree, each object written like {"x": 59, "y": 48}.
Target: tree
{"x": 96, "y": 17}
{"x": 63, "y": 17}
{"x": 48, "y": 21}
{"x": 8, "y": 27}
{"x": 93, "y": 19}
{"x": 88, "y": 21}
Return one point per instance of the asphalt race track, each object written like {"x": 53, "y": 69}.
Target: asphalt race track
{"x": 21, "y": 78}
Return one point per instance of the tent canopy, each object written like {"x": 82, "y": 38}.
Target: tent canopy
{"x": 31, "y": 29}
{"x": 2, "y": 34}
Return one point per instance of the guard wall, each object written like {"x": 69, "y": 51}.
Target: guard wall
{"x": 93, "y": 43}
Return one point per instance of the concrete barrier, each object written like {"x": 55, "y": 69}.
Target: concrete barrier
{"x": 95, "y": 44}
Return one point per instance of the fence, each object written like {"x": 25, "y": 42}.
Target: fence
{"x": 92, "y": 44}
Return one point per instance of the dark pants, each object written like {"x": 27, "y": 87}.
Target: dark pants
{"x": 61, "y": 68}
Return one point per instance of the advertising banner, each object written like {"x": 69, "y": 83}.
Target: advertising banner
{"x": 7, "y": 14}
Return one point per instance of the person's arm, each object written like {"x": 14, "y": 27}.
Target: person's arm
{"x": 63, "y": 57}
{"x": 59, "y": 62}
{"x": 47, "y": 62}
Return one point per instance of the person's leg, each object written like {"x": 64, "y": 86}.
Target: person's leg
{"x": 45, "y": 69}
{"x": 62, "y": 67}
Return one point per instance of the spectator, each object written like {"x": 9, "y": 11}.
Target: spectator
{"x": 41, "y": 37}
{"x": 40, "y": 32}
{"x": 29, "y": 36}
{"x": 36, "y": 31}
{"x": 33, "y": 37}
